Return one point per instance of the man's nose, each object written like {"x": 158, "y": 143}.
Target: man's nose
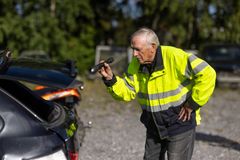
{"x": 135, "y": 53}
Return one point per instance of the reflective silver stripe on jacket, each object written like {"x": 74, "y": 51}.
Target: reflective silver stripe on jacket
{"x": 130, "y": 76}
{"x": 164, "y": 94}
{"x": 192, "y": 57}
{"x": 200, "y": 67}
{"x": 165, "y": 106}
{"x": 195, "y": 70}
{"x": 128, "y": 85}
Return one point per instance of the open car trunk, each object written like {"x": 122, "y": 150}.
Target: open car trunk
{"x": 55, "y": 75}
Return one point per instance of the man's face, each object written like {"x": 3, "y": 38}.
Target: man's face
{"x": 142, "y": 50}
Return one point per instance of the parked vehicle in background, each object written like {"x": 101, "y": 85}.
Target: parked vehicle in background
{"x": 225, "y": 59}
{"x": 35, "y": 54}
{"x": 31, "y": 127}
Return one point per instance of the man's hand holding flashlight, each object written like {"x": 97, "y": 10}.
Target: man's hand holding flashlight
{"x": 106, "y": 71}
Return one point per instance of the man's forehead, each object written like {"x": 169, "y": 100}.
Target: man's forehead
{"x": 138, "y": 39}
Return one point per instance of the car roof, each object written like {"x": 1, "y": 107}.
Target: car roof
{"x": 53, "y": 74}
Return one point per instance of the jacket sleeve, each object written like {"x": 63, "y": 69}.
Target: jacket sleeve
{"x": 204, "y": 79}
{"x": 123, "y": 89}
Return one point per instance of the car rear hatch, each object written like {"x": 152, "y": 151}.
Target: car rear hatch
{"x": 52, "y": 74}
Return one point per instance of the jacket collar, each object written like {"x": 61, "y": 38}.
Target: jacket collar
{"x": 156, "y": 65}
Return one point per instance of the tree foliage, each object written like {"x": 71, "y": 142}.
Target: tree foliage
{"x": 65, "y": 31}
{"x": 72, "y": 29}
{"x": 190, "y": 23}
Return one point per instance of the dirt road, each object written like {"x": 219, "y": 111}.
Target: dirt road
{"x": 117, "y": 134}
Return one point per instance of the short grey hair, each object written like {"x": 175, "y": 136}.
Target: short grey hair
{"x": 151, "y": 36}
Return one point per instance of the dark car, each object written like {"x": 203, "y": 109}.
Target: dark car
{"x": 225, "y": 59}
{"x": 69, "y": 97}
{"x": 31, "y": 127}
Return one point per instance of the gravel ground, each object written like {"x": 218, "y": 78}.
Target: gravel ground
{"x": 117, "y": 134}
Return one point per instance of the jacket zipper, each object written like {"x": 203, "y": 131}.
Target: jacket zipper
{"x": 154, "y": 120}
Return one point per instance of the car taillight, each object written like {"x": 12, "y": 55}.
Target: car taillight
{"x": 59, "y": 155}
{"x": 61, "y": 94}
{"x": 73, "y": 155}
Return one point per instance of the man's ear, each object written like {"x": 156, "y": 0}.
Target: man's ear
{"x": 154, "y": 47}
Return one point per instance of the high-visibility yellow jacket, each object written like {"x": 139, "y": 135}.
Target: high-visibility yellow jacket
{"x": 177, "y": 77}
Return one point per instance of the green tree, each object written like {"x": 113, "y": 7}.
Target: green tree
{"x": 173, "y": 20}
{"x": 72, "y": 29}
{"x": 190, "y": 23}
{"x": 64, "y": 30}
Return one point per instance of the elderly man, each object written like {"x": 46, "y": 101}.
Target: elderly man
{"x": 171, "y": 86}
